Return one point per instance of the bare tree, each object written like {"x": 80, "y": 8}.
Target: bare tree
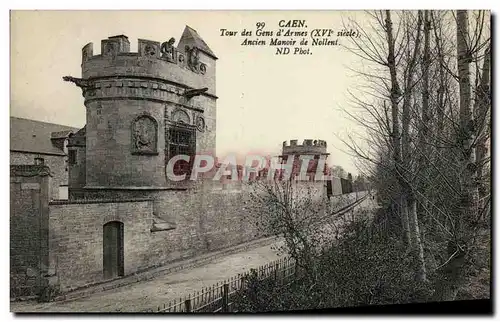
{"x": 438, "y": 153}
{"x": 467, "y": 213}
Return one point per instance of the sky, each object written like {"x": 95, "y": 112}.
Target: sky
{"x": 264, "y": 99}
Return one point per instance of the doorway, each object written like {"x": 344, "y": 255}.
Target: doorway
{"x": 113, "y": 250}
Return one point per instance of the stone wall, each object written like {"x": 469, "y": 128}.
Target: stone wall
{"x": 29, "y": 197}
{"x": 56, "y": 163}
{"x": 76, "y": 238}
{"x": 209, "y": 217}
{"x": 200, "y": 220}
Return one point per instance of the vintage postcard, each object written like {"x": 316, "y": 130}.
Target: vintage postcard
{"x": 250, "y": 161}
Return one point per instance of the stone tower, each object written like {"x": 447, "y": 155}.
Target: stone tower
{"x": 143, "y": 108}
{"x": 309, "y": 147}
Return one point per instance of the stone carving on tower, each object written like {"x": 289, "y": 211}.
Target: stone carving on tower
{"x": 150, "y": 50}
{"x": 109, "y": 49}
{"x": 189, "y": 93}
{"x": 193, "y": 57}
{"x": 180, "y": 116}
{"x": 85, "y": 84}
{"x": 203, "y": 68}
{"x": 200, "y": 123}
{"x": 144, "y": 135}
{"x": 168, "y": 50}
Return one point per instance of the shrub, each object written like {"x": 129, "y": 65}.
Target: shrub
{"x": 364, "y": 267}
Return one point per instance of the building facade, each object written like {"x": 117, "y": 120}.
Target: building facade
{"x": 40, "y": 143}
{"x": 125, "y": 214}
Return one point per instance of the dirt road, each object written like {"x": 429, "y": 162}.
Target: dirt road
{"x": 150, "y": 294}
{"x": 165, "y": 288}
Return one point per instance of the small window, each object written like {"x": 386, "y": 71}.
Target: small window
{"x": 39, "y": 161}
{"x": 72, "y": 156}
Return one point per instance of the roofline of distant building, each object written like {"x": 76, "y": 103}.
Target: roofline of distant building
{"x": 32, "y": 120}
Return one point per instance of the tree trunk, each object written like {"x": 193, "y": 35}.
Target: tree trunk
{"x": 406, "y": 176}
{"x": 423, "y": 146}
{"x": 446, "y": 288}
{"x": 452, "y": 274}
{"x": 481, "y": 110}
{"x": 439, "y": 132}
{"x": 442, "y": 80}
{"x": 405, "y": 219}
{"x": 396, "y": 138}
{"x": 417, "y": 245}
{"x": 425, "y": 82}
{"x": 468, "y": 186}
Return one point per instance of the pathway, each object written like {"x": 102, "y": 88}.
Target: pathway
{"x": 156, "y": 292}
{"x": 165, "y": 288}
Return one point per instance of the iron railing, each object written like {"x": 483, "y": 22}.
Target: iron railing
{"x": 220, "y": 297}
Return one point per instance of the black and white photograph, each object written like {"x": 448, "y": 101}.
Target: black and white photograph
{"x": 250, "y": 161}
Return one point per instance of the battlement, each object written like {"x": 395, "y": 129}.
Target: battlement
{"x": 192, "y": 52}
{"x": 149, "y": 72}
{"x": 305, "y": 143}
{"x": 308, "y": 146}
{"x": 188, "y": 57}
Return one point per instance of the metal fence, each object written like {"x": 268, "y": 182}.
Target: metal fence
{"x": 220, "y": 297}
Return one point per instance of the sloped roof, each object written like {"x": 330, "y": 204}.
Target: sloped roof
{"x": 190, "y": 35}
{"x": 81, "y": 132}
{"x": 35, "y": 136}
{"x": 60, "y": 134}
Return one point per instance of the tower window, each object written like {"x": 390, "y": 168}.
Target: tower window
{"x": 72, "y": 156}
{"x": 182, "y": 142}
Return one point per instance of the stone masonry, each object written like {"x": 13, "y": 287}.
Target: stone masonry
{"x": 124, "y": 215}
{"x": 135, "y": 102}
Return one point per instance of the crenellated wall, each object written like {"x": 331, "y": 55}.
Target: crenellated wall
{"x": 315, "y": 149}
{"x": 173, "y": 65}
{"x": 309, "y": 146}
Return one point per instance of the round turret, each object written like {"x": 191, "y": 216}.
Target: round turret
{"x": 145, "y": 107}
{"x": 309, "y": 147}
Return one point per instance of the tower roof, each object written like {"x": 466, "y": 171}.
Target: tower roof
{"x": 191, "y": 36}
